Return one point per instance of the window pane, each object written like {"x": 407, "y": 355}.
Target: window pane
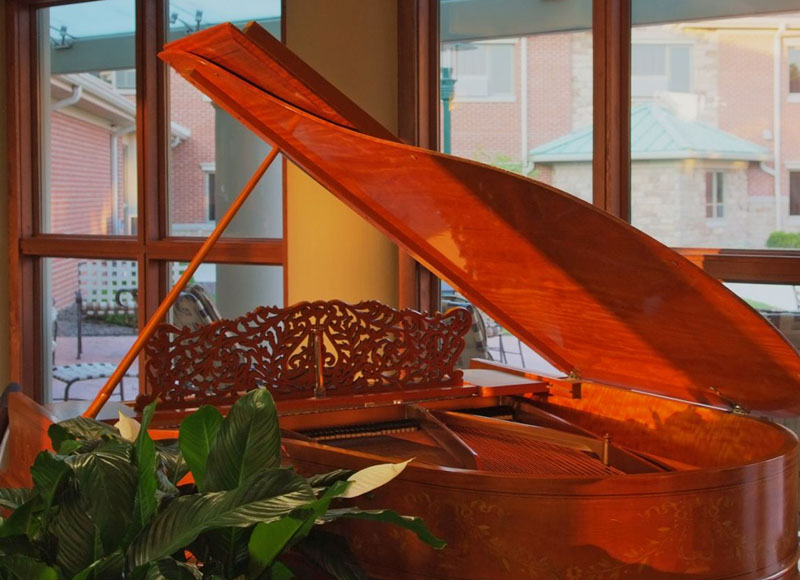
{"x": 519, "y": 101}
{"x": 712, "y": 115}
{"x": 88, "y": 120}
{"x": 211, "y": 154}
{"x": 780, "y": 304}
{"x": 794, "y": 70}
{"x": 90, "y": 322}
{"x": 526, "y": 108}
{"x": 231, "y": 290}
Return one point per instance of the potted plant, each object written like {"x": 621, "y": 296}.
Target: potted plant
{"x": 110, "y": 504}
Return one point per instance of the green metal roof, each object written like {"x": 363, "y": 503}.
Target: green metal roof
{"x": 657, "y": 133}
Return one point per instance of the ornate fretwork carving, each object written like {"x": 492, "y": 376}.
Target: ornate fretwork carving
{"x": 367, "y": 347}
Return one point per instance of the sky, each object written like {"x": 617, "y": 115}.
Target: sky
{"x": 107, "y": 17}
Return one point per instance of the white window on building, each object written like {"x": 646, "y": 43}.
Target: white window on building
{"x": 794, "y": 193}
{"x": 483, "y": 70}
{"x": 715, "y": 195}
{"x": 658, "y": 68}
{"x": 209, "y": 180}
{"x": 794, "y": 70}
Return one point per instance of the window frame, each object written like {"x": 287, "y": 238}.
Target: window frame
{"x": 509, "y": 97}
{"x": 152, "y": 247}
{"x": 418, "y": 103}
{"x": 715, "y": 196}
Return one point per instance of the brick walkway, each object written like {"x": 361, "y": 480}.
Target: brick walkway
{"x": 109, "y": 349}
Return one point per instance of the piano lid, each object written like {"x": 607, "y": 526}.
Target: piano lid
{"x": 590, "y": 293}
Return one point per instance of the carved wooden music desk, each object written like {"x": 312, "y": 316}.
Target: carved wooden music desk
{"x": 643, "y": 460}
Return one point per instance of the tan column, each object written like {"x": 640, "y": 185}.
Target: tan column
{"x": 332, "y": 252}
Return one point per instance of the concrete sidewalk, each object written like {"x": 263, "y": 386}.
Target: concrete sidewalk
{"x": 105, "y": 349}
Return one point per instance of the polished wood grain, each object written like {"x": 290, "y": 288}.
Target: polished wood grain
{"x": 710, "y": 521}
{"x": 590, "y": 293}
{"x": 28, "y": 424}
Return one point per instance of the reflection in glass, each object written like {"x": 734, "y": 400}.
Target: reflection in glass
{"x": 714, "y": 148}
{"x": 779, "y": 303}
{"x": 516, "y": 91}
{"x": 231, "y": 290}
{"x": 88, "y": 118}
{"x": 211, "y": 154}
{"x": 90, "y": 322}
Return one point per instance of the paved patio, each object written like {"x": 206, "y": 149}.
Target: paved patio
{"x": 108, "y": 349}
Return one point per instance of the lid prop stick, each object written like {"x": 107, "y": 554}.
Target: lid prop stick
{"x": 105, "y": 393}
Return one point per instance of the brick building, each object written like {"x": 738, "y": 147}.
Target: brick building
{"x": 524, "y": 103}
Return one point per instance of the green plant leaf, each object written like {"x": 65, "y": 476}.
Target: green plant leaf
{"x": 111, "y": 567}
{"x": 108, "y": 480}
{"x": 331, "y": 552}
{"x": 79, "y": 428}
{"x": 169, "y": 569}
{"x": 264, "y": 497}
{"x": 269, "y": 540}
{"x": 27, "y": 568}
{"x": 197, "y": 435}
{"x": 76, "y": 535}
{"x": 144, "y": 454}
{"x": 48, "y": 473}
{"x": 248, "y": 441}
{"x": 171, "y": 460}
{"x": 228, "y": 546}
{"x": 415, "y": 525}
{"x": 11, "y": 498}
{"x": 278, "y": 571}
{"x": 22, "y": 522}
{"x": 328, "y": 479}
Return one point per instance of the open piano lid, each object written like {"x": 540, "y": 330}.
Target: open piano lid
{"x": 597, "y": 298}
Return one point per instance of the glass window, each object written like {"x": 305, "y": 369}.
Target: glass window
{"x": 778, "y": 303}
{"x": 88, "y": 120}
{"x": 90, "y": 316}
{"x": 794, "y": 193}
{"x": 660, "y": 68}
{"x": 517, "y": 91}
{"x": 234, "y": 289}
{"x": 715, "y": 194}
{"x": 706, "y": 142}
{"x": 484, "y": 70}
{"x": 794, "y": 70}
{"x": 206, "y": 136}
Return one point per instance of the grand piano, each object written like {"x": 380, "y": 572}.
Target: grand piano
{"x": 642, "y": 456}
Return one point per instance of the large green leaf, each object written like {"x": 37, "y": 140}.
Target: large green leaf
{"x": 108, "y": 481}
{"x": 325, "y": 480}
{"x": 144, "y": 454}
{"x": 270, "y": 539}
{"x": 77, "y": 541}
{"x": 22, "y": 522}
{"x": 227, "y": 546}
{"x": 197, "y": 435}
{"x": 264, "y": 497}
{"x": 27, "y": 568}
{"x": 331, "y": 553}
{"x": 278, "y": 571}
{"x": 170, "y": 459}
{"x": 248, "y": 441}
{"x": 49, "y": 472}
{"x": 415, "y": 525}
{"x": 111, "y": 567}
{"x": 11, "y": 498}
{"x": 79, "y": 428}
{"x": 169, "y": 569}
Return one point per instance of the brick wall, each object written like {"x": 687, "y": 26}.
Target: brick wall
{"x": 80, "y": 186}
{"x": 188, "y": 200}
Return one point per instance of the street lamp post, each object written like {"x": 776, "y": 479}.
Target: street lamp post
{"x": 446, "y": 92}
